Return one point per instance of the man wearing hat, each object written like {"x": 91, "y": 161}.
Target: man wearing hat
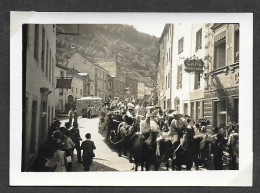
{"x": 130, "y": 114}
{"x": 54, "y": 127}
{"x": 76, "y": 140}
{"x": 145, "y": 126}
{"x": 178, "y": 125}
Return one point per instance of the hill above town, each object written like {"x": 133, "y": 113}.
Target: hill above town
{"x": 136, "y": 52}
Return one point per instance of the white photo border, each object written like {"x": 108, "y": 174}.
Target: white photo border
{"x": 241, "y": 177}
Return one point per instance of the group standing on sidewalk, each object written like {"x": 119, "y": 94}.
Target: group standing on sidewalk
{"x": 56, "y": 155}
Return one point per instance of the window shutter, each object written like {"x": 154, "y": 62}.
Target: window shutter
{"x": 230, "y": 44}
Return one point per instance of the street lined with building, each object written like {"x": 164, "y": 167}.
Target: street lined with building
{"x": 195, "y": 96}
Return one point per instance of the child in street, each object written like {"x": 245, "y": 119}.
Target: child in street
{"x": 88, "y": 146}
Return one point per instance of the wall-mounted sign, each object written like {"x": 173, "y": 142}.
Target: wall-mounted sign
{"x": 63, "y": 82}
{"x": 193, "y": 65}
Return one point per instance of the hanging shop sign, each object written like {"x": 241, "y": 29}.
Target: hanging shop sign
{"x": 194, "y": 65}
{"x": 63, "y": 82}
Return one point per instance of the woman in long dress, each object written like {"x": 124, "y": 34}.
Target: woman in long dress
{"x": 60, "y": 157}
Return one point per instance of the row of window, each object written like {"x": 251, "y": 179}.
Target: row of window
{"x": 101, "y": 85}
{"x": 219, "y": 57}
{"x": 179, "y": 80}
{"x": 198, "y": 42}
{"x": 101, "y": 74}
{"x": 44, "y": 53}
{"x": 72, "y": 90}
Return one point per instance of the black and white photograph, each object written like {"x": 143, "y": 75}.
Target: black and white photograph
{"x": 126, "y": 96}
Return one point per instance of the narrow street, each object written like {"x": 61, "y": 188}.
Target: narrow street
{"x": 106, "y": 158}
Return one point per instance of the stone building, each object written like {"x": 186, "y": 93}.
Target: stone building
{"x": 221, "y": 103}
{"x": 95, "y": 72}
{"x": 116, "y": 79}
{"x": 101, "y": 81}
{"x": 39, "y": 51}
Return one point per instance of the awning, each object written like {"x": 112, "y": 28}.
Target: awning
{"x": 220, "y": 36}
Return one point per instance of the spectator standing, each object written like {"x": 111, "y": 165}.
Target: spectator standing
{"x": 220, "y": 141}
{"x": 68, "y": 147}
{"x": 60, "y": 157}
{"x": 45, "y": 162}
{"x": 76, "y": 139}
{"x": 76, "y": 115}
{"x": 88, "y": 146}
{"x": 70, "y": 114}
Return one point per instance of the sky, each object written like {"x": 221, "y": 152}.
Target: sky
{"x": 152, "y": 29}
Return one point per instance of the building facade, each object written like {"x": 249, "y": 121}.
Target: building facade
{"x": 221, "y": 103}
{"x": 97, "y": 75}
{"x": 77, "y": 86}
{"x": 180, "y": 79}
{"x": 131, "y": 84}
{"x": 140, "y": 90}
{"x": 60, "y": 93}
{"x": 116, "y": 80}
{"x": 164, "y": 77}
{"x": 194, "y": 105}
{"x": 39, "y": 49}
{"x": 211, "y": 92}
{"x": 101, "y": 86}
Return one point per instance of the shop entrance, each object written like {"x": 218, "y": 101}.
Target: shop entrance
{"x": 220, "y": 113}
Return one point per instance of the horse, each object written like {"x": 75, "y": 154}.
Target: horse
{"x": 144, "y": 151}
{"x": 124, "y": 134}
{"x": 137, "y": 150}
{"x": 111, "y": 127}
{"x": 150, "y": 156}
{"x": 166, "y": 151}
{"x": 202, "y": 148}
{"x": 183, "y": 151}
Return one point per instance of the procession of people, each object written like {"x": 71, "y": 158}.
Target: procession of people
{"x": 147, "y": 136}
{"x": 191, "y": 142}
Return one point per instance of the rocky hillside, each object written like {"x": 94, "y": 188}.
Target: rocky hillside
{"x": 136, "y": 52}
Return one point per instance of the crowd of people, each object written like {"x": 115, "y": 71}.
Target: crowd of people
{"x": 56, "y": 155}
{"x": 219, "y": 145}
